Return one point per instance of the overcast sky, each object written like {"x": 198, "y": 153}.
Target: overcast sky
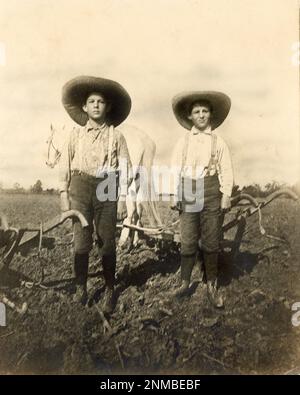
{"x": 155, "y": 49}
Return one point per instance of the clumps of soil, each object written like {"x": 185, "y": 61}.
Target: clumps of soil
{"x": 150, "y": 331}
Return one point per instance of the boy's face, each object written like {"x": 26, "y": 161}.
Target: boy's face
{"x": 200, "y": 116}
{"x": 96, "y": 107}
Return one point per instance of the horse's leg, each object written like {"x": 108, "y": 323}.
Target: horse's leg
{"x": 139, "y": 211}
{"x": 125, "y": 239}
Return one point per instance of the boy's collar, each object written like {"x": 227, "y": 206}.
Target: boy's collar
{"x": 195, "y": 130}
{"x": 89, "y": 126}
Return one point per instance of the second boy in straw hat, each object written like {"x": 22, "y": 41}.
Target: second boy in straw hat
{"x": 205, "y": 175}
{"x": 90, "y": 162}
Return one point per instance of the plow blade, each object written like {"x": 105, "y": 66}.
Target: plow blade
{"x": 27, "y": 237}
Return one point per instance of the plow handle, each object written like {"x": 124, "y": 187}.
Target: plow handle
{"x": 52, "y": 224}
{"x": 257, "y": 206}
{"x": 243, "y": 196}
{"x": 74, "y": 213}
{"x": 22, "y": 238}
{"x": 283, "y": 191}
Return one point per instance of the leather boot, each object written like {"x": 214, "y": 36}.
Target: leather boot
{"x": 211, "y": 269}
{"x": 214, "y": 295}
{"x": 187, "y": 264}
{"x": 108, "y": 300}
{"x": 81, "y": 263}
{"x": 200, "y": 262}
{"x": 109, "y": 269}
{"x": 210, "y": 260}
{"x": 81, "y": 295}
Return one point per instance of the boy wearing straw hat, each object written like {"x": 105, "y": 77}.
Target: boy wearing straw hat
{"x": 90, "y": 176}
{"x": 204, "y": 183}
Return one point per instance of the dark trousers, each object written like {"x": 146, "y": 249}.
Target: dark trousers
{"x": 205, "y": 225}
{"x": 101, "y": 213}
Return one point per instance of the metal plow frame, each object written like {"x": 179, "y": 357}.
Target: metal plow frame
{"x": 168, "y": 234}
{"x": 20, "y": 238}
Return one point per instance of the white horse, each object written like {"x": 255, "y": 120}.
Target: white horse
{"x": 141, "y": 193}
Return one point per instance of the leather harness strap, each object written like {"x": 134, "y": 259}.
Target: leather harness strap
{"x": 185, "y": 150}
{"x": 111, "y": 135}
{"x": 212, "y": 164}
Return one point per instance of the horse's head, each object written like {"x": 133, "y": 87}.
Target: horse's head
{"x": 54, "y": 145}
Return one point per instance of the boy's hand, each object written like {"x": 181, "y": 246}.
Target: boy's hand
{"x": 64, "y": 201}
{"x": 122, "y": 210}
{"x": 175, "y": 205}
{"x": 225, "y": 202}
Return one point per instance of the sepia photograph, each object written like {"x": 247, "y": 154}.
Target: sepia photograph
{"x": 149, "y": 189}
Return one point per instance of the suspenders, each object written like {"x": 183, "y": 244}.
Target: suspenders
{"x": 184, "y": 151}
{"x": 111, "y": 135}
{"x": 213, "y": 161}
{"x": 212, "y": 164}
{"x": 80, "y": 152}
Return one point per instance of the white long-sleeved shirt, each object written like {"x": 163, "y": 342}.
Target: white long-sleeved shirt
{"x": 198, "y": 156}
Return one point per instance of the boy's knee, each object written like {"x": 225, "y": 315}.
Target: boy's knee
{"x": 82, "y": 248}
{"x": 83, "y": 241}
{"x": 109, "y": 248}
{"x": 211, "y": 245}
{"x": 188, "y": 248}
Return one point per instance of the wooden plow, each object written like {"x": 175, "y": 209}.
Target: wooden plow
{"x": 245, "y": 206}
{"x": 15, "y": 240}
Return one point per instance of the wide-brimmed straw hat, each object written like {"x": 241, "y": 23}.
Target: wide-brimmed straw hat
{"x": 76, "y": 91}
{"x": 219, "y": 102}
